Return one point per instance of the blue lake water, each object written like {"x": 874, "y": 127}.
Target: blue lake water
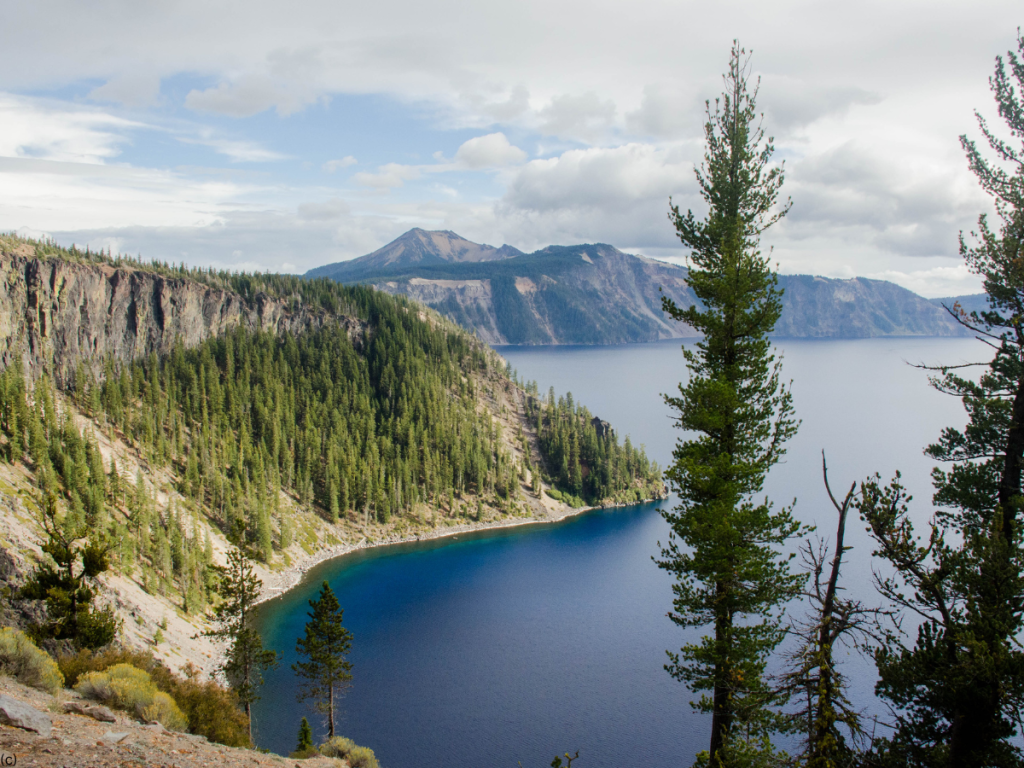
{"x": 509, "y": 647}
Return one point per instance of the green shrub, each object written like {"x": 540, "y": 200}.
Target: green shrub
{"x": 211, "y": 709}
{"x": 126, "y": 687}
{"x": 357, "y": 757}
{"x": 22, "y": 660}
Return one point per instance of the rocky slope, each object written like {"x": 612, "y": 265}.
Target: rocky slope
{"x": 66, "y": 738}
{"x": 596, "y": 294}
{"x": 55, "y": 312}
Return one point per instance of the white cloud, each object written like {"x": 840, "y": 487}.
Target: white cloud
{"x": 791, "y": 103}
{"x": 587, "y": 116}
{"x": 54, "y": 131}
{"x": 899, "y": 204}
{"x": 601, "y": 178}
{"x": 388, "y": 176}
{"x": 250, "y": 95}
{"x": 937, "y": 282}
{"x": 490, "y": 151}
{"x": 668, "y": 110}
{"x": 330, "y": 210}
{"x": 236, "y": 150}
{"x": 56, "y": 196}
{"x": 333, "y": 165}
{"x": 133, "y": 89}
{"x": 867, "y": 116}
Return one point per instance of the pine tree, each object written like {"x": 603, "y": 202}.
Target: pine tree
{"x": 325, "y": 646}
{"x": 68, "y": 586}
{"x": 958, "y": 690}
{"x": 246, "y": 659}
{"x": 725, "y": 546}
{"x": 305, "y": 742}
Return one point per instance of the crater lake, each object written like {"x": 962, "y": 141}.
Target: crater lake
{"x": 508, "y": 647}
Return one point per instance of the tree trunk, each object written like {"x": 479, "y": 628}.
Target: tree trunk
{"x": 330, "y": 714}
{"x": 1009, "y": 483}
{"x": 722, "y": 714}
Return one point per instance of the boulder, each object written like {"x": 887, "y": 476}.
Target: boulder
{"x": 21, "y": 715}
{"x": 95, "y": 711}
{"x": 110, "y": 739}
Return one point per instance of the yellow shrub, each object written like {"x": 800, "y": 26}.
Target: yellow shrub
{"x": 125, "y": 687}
{"x": 22, "y": 660}
{"x": 362, "y": 757}
{"x": 212, "y": 710}
{"x": 165, "y": 710}
{"x": 357, "y": 757}
{"x": 339, "y": 746}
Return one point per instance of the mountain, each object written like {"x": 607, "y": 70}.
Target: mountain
{"x": 596, "y": 294}
{"x": 415, "y": 248}
{"x": 167, "y": 409}
{"x": 973, "y": 302}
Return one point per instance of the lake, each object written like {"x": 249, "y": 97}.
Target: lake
{"x": 508, "y": 647}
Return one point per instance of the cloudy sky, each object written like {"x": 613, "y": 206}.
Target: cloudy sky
{"x": 284, "y": 136}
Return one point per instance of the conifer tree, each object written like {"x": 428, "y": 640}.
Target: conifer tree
{"x": 725, "y": 545}
{"x": 68, "y": 586}
{"x": 246, "y": 659}
{"x": 305, "y": 741}
{"x": 325, "y": 646}
{"x": 958, "y": 690}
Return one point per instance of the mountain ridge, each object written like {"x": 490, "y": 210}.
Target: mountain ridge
{"x": 414, "y": 248}
{"x": 596, "y": 294}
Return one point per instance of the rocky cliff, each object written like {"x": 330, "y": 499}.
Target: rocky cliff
{"x": 55, "y": 313}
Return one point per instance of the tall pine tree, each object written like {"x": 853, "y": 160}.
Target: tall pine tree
{"x": 247, "y": 659}
{"x": 325, "y": 647}
{"x": 725, "y": 547}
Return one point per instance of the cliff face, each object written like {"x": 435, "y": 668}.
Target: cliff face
{"x": 55, "y": 313}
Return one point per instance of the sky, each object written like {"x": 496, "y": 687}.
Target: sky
{"x": 283, "y": 136}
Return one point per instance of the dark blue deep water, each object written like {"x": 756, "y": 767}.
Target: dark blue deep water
{"x": 509, "y": 647}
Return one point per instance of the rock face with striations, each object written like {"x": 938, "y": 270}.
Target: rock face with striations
{"x": 54, "y": 313}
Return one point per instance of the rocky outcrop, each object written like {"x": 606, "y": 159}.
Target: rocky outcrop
{"x": 21, "y": 715}
{"x": 54, "y": 313}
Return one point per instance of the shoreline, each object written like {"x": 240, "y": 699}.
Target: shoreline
{"x": 286, "y": 580}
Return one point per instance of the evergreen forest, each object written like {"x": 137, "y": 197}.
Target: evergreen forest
{"x": 370, "y": 426}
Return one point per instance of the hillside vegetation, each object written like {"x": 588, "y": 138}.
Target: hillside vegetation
{"x": 378, "y": 420}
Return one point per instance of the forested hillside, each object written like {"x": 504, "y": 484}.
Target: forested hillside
{"x": 373, "y": 418}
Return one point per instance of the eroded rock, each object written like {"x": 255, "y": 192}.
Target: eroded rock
{"x": 21, "y": 715}
{"x": 95, "y": 711}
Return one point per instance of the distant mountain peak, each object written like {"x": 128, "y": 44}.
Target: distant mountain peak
{"x": 420, "y": 247}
